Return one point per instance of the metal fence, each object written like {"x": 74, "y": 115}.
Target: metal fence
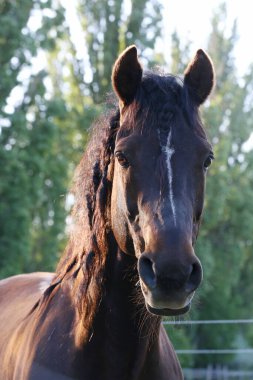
{"x": 210, "y": 322}
{"x": 217, "y": 373}
{"x": 213, "y": 372}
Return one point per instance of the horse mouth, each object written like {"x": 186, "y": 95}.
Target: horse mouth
{"x": 168, "y": 312}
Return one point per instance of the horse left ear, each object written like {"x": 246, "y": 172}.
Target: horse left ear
{"x": 127, "y": 74}
{"x": 199, "y": 77}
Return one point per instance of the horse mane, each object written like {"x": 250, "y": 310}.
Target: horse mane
{"x": 87, "y": 248}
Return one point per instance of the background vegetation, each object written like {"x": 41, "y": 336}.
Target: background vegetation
{"x": 45, "y": 116}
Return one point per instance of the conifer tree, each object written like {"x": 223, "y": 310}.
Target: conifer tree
{"x": 33, "y": 167}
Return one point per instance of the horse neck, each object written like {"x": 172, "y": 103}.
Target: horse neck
{"x": 122, "y": 294}
{"x": 123, "y": 333}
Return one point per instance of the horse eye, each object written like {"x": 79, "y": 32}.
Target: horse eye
{"x": 208, "y": 161}
{"x": 122, "y": 160}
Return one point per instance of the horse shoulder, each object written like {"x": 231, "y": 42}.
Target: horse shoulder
{"x": 18, "y": 294}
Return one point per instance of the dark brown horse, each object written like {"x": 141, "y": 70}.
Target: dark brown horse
{"x": 139, "y": 193}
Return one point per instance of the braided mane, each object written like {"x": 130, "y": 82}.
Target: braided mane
{"x": 87, "y": 248}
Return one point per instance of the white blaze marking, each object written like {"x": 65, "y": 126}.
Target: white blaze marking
{"x": 169, "y": 152}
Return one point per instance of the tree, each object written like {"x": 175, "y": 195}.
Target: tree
{"x": 33, "y": 166}
{"x": 109, "y": 28}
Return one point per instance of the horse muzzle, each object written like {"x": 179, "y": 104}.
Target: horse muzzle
{"x": 168, "y": 287}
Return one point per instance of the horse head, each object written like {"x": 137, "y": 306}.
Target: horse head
{"x": 161, "y": 159}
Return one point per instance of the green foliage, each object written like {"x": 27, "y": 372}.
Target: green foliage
{"x": 180, "y": 55}
{"x": 33, "y": 175}
{"x": 181, "y": 340}
{"x": 109, "y": 30}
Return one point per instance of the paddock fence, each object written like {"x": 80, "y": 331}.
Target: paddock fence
{"x": 215, "y": 372}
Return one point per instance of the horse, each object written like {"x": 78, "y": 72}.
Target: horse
{"x": 139, "y": 193}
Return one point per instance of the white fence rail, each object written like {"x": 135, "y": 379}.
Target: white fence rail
{"x": 247, "y": 351}
{"x": 222, "y": 373}
{"x": 216, "y": 351}
{"x": 210, "y": 322}
{"x": 215, "y": 372}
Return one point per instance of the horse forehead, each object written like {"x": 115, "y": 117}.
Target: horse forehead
{"x": 166, "y": 108}
{"x": 163, "y": 83}
{"x": 163, "y": 87}
{"x": 158, "y": 106}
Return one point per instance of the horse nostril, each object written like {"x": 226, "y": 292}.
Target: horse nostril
{"x": 147, "y": 272}
{"x": 195, "y": 277}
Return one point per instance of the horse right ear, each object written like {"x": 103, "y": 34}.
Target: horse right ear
{"x": 126, "y": 75}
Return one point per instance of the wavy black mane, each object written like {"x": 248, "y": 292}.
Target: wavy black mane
{"x": 87, "y": 247}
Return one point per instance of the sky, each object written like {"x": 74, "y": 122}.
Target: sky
{"x": 191, "y": 19}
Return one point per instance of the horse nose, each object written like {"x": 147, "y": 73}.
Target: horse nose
{"x": 147, "y": 273}
{"x": 171, "y": 275}
{"x": 195, "y": 277}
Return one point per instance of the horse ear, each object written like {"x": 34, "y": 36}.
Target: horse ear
{"x": 199, "y": 77}
{"x": 127, "y": 74}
